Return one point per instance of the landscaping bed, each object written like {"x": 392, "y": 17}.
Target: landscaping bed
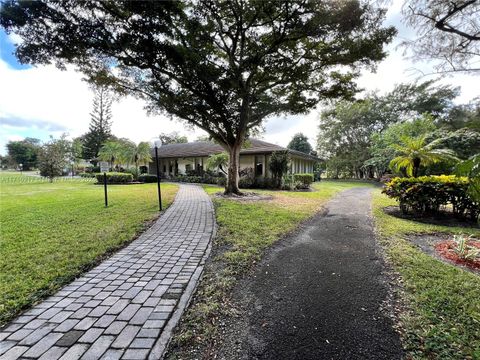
{"x": 441, "y": 246}
{"x": 440, "y": 302}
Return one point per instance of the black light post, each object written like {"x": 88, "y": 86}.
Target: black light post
{"x": 157, "y": 143}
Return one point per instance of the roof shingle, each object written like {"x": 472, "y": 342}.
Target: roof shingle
{"x": 206, "y": 148}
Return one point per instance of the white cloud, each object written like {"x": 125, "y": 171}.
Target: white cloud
{"x": 47, "y": 95}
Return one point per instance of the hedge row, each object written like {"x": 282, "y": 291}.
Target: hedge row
{"x": 430, "y": 195}
{"x": 115, "y": 178}
{"x": 206, "y": 179}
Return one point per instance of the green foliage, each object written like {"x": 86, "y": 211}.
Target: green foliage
{"x": 300, "y": 143}
{"x": 471, "y": 169}
{"x": 381, "y": 144}
{"x": 278, "y": 165}
{"x": 147, "y": 178}
{"x": 24, "y": 152}
{"x": 304, "y": 180}
{"x": 351, "y": 134}
{"x": 100, "y": 123}
{"x": 463, "y": 249}
{"x": 414, "y": 152}
{"x": 172, "y": 138}
{"x": 218, "y": 161}
{"x": 87, "y": 175}
{"x": 205, "y": 179}
{"x": 465, "y": 142}
{"x": 115, "y": 178}
{"x": 53, "y": 158}
{"x": 429, "y": 195}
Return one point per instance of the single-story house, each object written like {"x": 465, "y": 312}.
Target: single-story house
{"x": 175, "y": 159}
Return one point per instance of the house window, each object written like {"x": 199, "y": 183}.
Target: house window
{"x": 164, "y": 168}
{"x": 258, "y": 165}
{"x": 188, "y": 167}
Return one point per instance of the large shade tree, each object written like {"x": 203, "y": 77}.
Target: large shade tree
{"x": 447, "y": 31}
{"x": 223, "y": 66}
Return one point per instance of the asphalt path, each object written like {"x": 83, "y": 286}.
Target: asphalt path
{"x": 319, "y": 293}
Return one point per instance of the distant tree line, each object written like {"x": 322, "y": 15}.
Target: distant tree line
{"x": 361, "y": 138}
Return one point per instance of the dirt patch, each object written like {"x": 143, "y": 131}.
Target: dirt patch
{"x": 440, "y": 246}
{"x": 444, "y": 219}
{"x": 245, "y": 197}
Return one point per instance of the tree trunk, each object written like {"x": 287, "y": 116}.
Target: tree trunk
{"x": 416, "y": 166}
{"x": 233, "y": 168}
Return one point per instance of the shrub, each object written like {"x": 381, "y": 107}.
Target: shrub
{"x": 87, "y": 175}
{"x": 115, "y": 178}
{"x": 278, "y": 165}
{"x": 92, "y": 169}
{"x": 147, "y": 178}
{"x": 302, "y": 181}
{"x": 222, "y": 181}
{"x": 134, "y": 171}
{"x": 463, "y": 249}
{"x": 429, "y": 195}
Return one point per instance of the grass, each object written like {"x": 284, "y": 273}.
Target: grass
{"x": 442, "y": 317}
{"x": 245, "y": 231}
{"x": 52, "y": 232}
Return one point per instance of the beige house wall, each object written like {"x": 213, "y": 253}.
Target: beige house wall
{"x": 297, "y": 165}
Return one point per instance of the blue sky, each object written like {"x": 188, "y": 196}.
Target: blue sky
{"x": 43, "y": 101}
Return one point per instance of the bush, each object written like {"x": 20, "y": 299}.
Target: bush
{"x": 222, "y": 181}
{"x": 302, "y": 181}
{"x": 147, "y": 178}
{"x": 92, "y": 169}
{"x": 115, "y": 178}
{"x": 205, "y": 179}
{"x": 134, "y": 171}
{"x": 430, "y": 195}
{"x": 87, "y": 175}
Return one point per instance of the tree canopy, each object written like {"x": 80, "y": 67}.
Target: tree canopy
{"x": 100, "y": 123}
{"x": 447, "y": 31}
{"x": 24, "y": 152}
{"x": 300, "y": 143}
{"x": 172, "y": 138}
{"x": 223, "y": 66}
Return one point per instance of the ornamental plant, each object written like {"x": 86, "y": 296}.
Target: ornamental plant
{"x": 463, "y": 249}
{"x": 430, "y": 195}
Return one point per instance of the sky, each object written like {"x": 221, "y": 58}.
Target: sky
{"x": 41, "y": 101}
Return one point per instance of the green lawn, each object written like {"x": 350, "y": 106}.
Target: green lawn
{"x": 52, "y": 232}
{"x": 442, "y": 320}
{"x": 245, "y": 230}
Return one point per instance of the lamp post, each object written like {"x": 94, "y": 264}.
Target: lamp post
{"x": 158, "y": 143}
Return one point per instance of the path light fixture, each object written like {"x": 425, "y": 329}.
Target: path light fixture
{"x": 21, "y": 168}
{"x": 157, "y": 144}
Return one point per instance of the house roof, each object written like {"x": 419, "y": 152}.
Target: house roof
{"x": 207, "y": 148}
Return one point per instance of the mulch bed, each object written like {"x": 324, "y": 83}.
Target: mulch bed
{"x": 439, "y": 245}
{"x": 446, "y": 250}
{"x": 445, "y": 219}
{"x": 246, "y": 196}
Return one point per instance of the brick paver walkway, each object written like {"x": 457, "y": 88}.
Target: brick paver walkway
{"x": 126, "y": 307}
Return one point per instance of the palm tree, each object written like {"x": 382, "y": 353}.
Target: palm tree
{"x": 143, "y": 154}
{"x": 414, "y": 152}
{"x": 111, "y": 151}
